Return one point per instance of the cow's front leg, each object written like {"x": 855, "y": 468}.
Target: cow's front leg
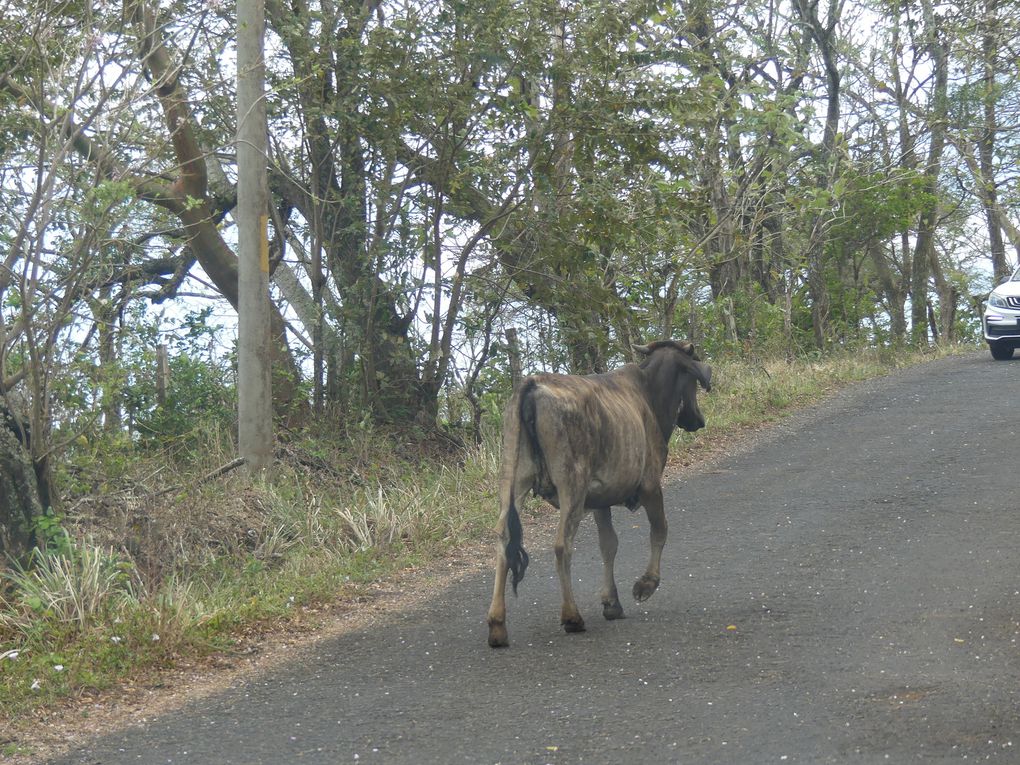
{"x": 608, "y": 544}
{"x": 647, "y": 584}
{"x": 570, "y": 516}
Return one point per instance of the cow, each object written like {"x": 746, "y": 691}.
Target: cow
{"x": 588, "y": 443}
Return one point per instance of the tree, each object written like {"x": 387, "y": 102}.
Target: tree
{"x": 924, "y": 258}
{"x": 827, "y": 159}
{"x": 57, "y": 224}
{"x": 983, "y": 120}
{"x": 613, "y": 171}
{"x": 172, "y": 174}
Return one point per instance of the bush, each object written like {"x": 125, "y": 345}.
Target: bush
{"x": 198, "y": 398}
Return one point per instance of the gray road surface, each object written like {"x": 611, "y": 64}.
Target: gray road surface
{"x": 866, "y": 554}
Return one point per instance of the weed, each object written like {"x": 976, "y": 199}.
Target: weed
{"x": 53, "y": 537}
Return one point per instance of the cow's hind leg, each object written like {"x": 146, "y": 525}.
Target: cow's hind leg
{"x": 649, "y": 582}
{"x": 608, "y": 544}
{"x": 498, "y": 637}
{"x": 570, "y": 517}
{"x": 510, "y": 543}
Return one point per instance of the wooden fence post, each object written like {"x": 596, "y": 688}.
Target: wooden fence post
{"x": 162, "y": 374}
{"x": 514, "y": 351}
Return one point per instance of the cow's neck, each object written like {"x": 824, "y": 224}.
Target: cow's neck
{"x": 663, "y": 392}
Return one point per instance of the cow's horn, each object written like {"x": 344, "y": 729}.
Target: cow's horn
{"x": 644, "y": 350}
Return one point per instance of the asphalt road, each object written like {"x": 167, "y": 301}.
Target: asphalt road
{"x": 847, "y": 590}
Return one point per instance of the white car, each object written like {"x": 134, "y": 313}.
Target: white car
{"x": 1001, "y": 320}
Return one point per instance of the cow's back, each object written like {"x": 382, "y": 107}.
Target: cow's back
{"x": 592, "y": 434}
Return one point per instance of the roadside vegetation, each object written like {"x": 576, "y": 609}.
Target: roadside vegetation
{"x": 159, "y": 561}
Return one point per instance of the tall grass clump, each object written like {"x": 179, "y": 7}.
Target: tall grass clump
{"x": 76, "y": 617}
{"x": 442, "y": 506}
{"x": 73, "y": 587}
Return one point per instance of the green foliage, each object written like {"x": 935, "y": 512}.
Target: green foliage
{"x": 875, "y": 206}
{"x": 53, "y": 538}
{"x": 198, "y": 395}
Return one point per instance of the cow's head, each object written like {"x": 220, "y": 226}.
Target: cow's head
{"x": 690, "y": 372}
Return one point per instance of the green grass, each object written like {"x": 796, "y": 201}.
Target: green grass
{"x": 141, "y": 584}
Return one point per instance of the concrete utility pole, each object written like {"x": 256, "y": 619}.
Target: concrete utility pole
{"x": 254, "y": 367}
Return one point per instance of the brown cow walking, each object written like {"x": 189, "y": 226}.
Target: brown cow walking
{"x": 588, "y": 443}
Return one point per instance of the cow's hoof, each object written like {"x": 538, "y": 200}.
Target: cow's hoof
{"x": 612, "y": 611}
{"x": 498, "y": 637}
{"x": 573, "y": 625}
{"x": 644, "y": 587}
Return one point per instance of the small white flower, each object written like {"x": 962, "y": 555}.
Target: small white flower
{"x": 36, "y": 685}
{"x": 155, "y": 638}
{"x": 12, "y": 655}
{"x": 58, "y": 667}
{"x": 116, "y": 640}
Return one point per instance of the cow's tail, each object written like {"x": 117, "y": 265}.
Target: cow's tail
{"x": 516, "y": 556}
{"x": 516, "y": 446}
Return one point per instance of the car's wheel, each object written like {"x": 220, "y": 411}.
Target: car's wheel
{"x": 1001, "y": 351}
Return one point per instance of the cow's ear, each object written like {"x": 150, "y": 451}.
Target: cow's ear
{"x": 702, "y": 373}
{"x": 687, "y": 347}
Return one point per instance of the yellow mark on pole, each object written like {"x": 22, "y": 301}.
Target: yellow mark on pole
{"x": 264, "y": 243}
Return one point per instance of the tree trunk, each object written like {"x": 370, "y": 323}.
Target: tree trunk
{"x": 947, "y": 294}
{"x": 188, "y": 198}
{"x": 924, "y": 249}
{"x": 895, "y": 294}
{"x": 719, "y": 232}
{"x": 919, "y": 274}
{"x": 19, "y": 496}
{"x": 824, "y": 36}
{"x": 514, "y": 355}
{"x": 334, "y": 199}
{"x": 986, "y": 144}
{"x": 106, "y": 315}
